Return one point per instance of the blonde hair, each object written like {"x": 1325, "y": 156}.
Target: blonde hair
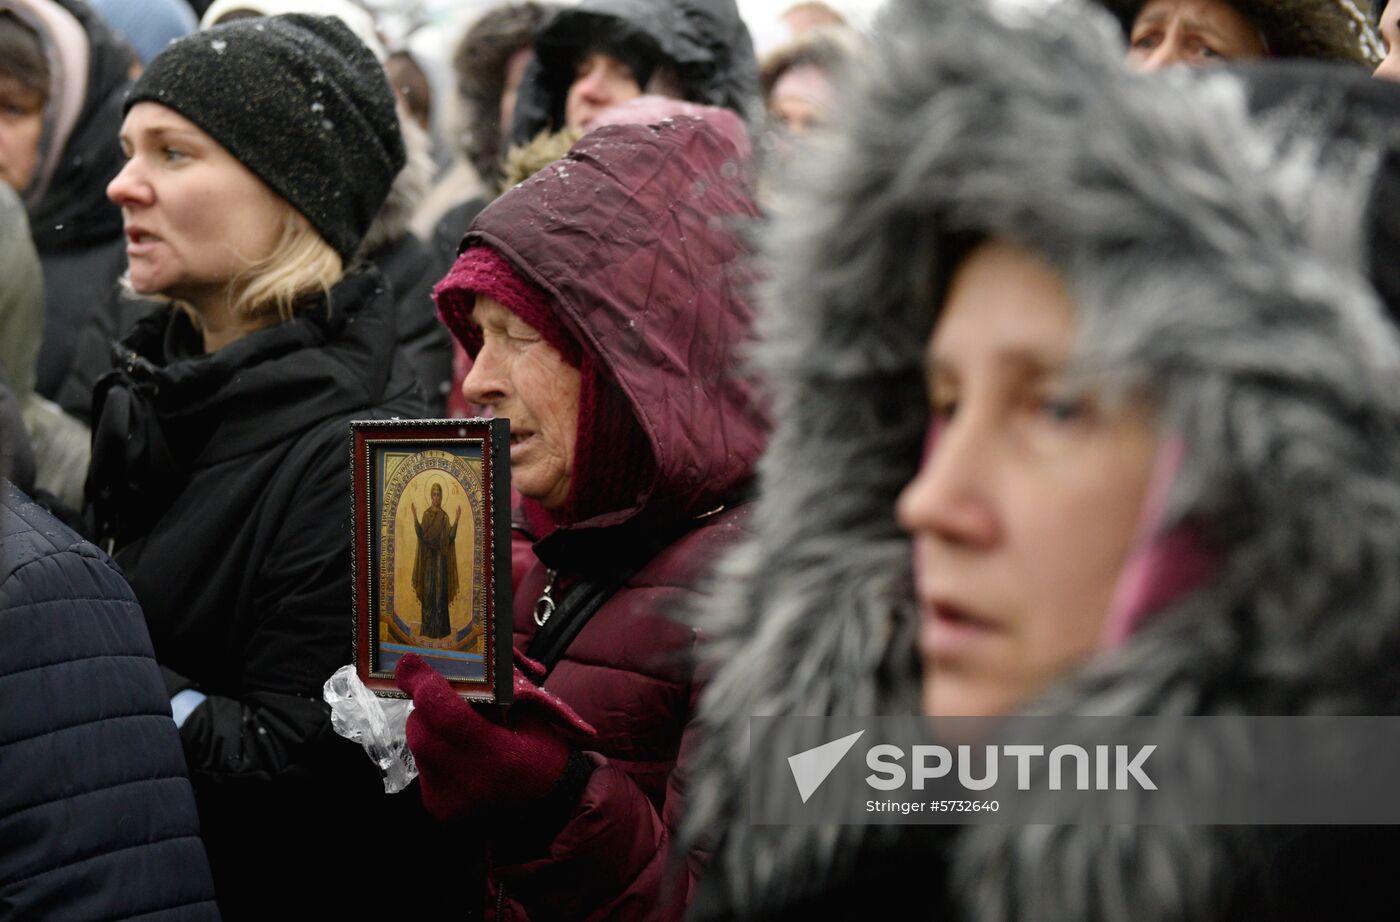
{"x": 300, "y": 264}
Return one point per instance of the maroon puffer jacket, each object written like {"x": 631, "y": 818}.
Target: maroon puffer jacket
{"x": 632, "y": 236}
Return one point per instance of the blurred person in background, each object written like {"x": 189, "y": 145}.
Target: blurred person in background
{"x": 604, "y": 304}
{"x": 1161, "y": 33}
{"x": 600, "y": 53}
{"x": 61, "y": 444}
{"x": 220, "y": 447}
{"x": 411, "y": 86}
{"x": 800, "y": 78}
{"x": 1111, "y": 429}
{"x": 489, "y": 63}
{"x": 63, "y": 73}
{"x": 148, "y": 25}
{"x": 801, "y": 18}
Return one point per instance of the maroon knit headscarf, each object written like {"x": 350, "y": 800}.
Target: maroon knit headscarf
{"x": 612, "y": 461}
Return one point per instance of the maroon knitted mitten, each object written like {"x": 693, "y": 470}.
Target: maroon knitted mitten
{"x": 474, "y": 760}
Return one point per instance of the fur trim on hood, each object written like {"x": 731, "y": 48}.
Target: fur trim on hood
{"x": 1166, "y": 213}
{"x": 1346, "y": 117}
{"x": 525, "y": 160}
{"x": 480, "y": 63}
{"x": 1329, "y": 30}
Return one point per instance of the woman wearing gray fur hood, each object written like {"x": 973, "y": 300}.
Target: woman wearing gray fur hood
{"x": 1060, "y": 326}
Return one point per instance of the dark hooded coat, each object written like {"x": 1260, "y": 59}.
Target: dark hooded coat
{"x": 77, "y": 230}
{"x": 223, "y": 480}
{"x": 704, "y": 41}
{"x": 631, "y": 237}
{"x": 1173, "y": 221}
{"x": 412, "y": 268}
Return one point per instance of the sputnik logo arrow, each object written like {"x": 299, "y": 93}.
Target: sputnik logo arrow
{"x": 811, "y": 767}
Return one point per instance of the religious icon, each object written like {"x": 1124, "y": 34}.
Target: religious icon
{"x": 432, "y": 552}
{"x": 435, "y": 580}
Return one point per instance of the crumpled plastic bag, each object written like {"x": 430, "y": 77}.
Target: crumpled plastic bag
{"x": 375, "y": 723}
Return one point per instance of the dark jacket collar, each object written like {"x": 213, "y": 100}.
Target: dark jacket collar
{"x": 167, "y": 410}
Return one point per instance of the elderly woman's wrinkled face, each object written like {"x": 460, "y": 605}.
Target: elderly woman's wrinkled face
{"x": 1028, "y": 499}
{"x": 525, "y": 379}
{"x": 1191, "y": 32}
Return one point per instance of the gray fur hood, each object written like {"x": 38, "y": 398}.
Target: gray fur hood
{"x": 1176, "y": 225}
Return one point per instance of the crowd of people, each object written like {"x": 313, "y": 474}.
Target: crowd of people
{"x": 997, "y": 358}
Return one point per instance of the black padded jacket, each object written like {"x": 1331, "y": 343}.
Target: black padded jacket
{"x": 97, "y": 819}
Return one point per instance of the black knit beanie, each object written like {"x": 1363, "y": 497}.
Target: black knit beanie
{"x": 298, "y": 100}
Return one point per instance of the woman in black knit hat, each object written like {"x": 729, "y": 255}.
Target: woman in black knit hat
{"x": 258, "y": 153}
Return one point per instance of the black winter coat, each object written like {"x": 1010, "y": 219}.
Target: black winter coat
{"x": 412, "y": 268}
{"x": 224, "y": 481}
{"x": 93, "y": 351}
{"x": 97, "y": 820}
